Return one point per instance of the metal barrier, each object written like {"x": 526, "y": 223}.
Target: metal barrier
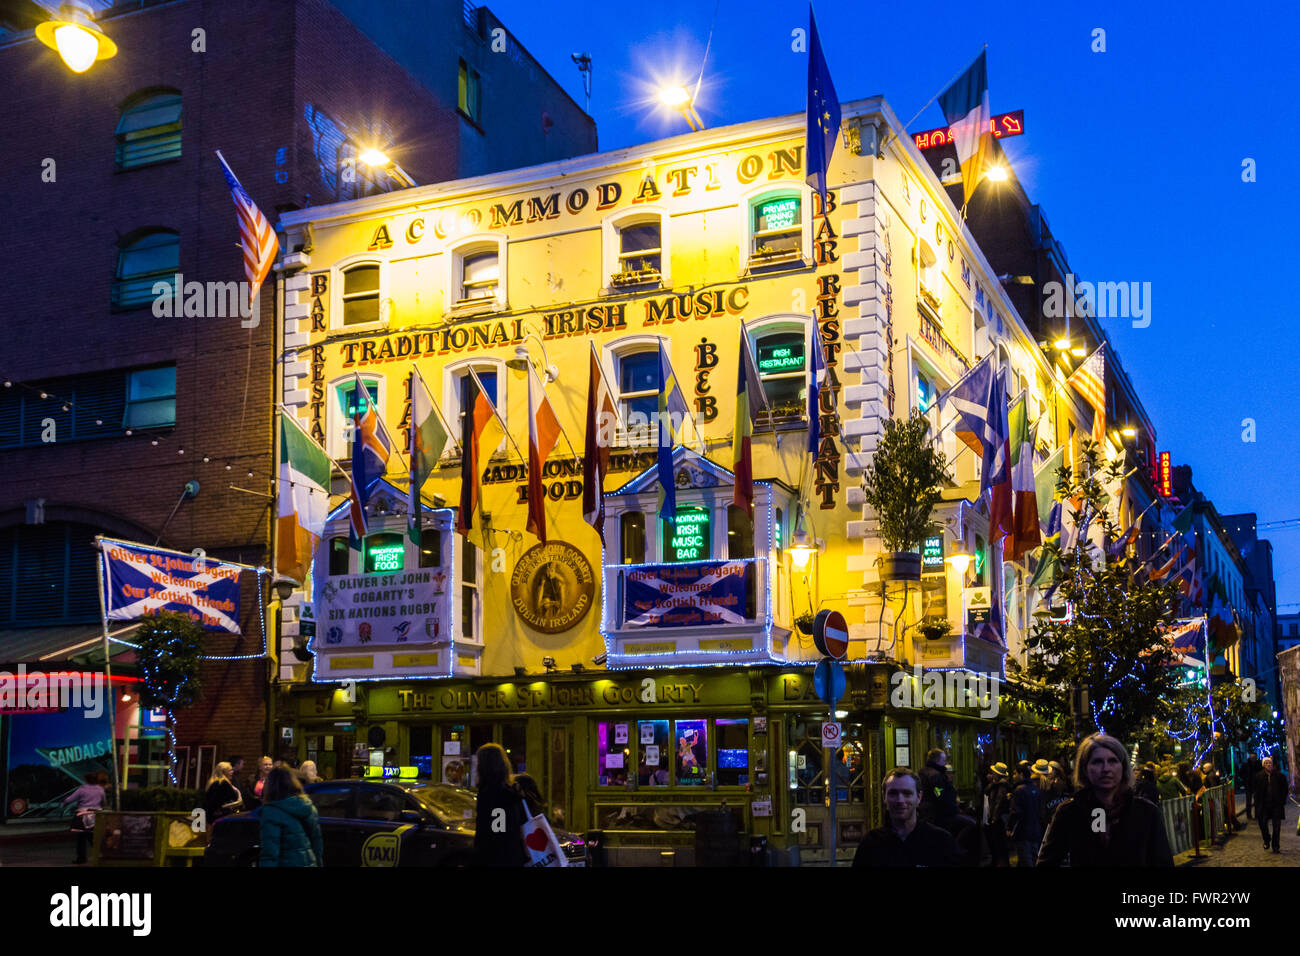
{"x": 1193, "y": 825}
{"x": 1177, "y": 813}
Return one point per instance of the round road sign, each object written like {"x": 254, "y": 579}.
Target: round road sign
{"x": 831, "y": 634}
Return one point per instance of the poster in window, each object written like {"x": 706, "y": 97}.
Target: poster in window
{"x": 647, "y": 733}
{"x": 651, "y": 755}
{"x": 614, "y": 761}
{"x": 620, "y": 734}
{"x": 451, "y": 748}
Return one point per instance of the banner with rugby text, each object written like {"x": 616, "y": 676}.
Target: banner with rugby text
{"x": 140, "y": 581}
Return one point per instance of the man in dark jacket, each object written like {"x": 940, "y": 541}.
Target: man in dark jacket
{"x": 1025, "y": 820}
{"x": 938, "y": 795}
{"x": 906, "y": 841}
{"x": 1270, "y": 803}
{"x": 997, "y": 803}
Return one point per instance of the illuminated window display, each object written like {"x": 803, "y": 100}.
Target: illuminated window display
{"x": 692, "y": 751}
{"x": 778, "y": 225}
{"x": 781, "y": 358}
{"x": 653, "y": 764}
{"x": 384, "y": 553}
{"x": 690, "y": 538}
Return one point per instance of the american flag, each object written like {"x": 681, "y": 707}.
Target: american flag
{"x": 1089, "y": 379}
{"x": 255, "y": 233}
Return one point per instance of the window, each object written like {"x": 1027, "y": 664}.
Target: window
{"x": 374, "y": 803}
{"x": 84, "y": 406}
{"x": 430, "y": 547}
{"x": 149, "y": 130}
{"x": 469, "y": 594}
{"x": 333, "y": 801}
{"x": 640, "y": 253}
{"x": 733, "y": 752}
{"x": 807, "y": 760}
{"x": 469, "y": 93}
{"x": 631, "y": 536}
{"x": 692, "y": 759}
{"x": 361, "y": 294}
{"x": 614, "y": 753}
{"x": 638, "y": 390}
{"x": 151, "y": 398}
{"x": 340, "y": 555}
{"x": 153, "y": 257}
{"x": 690, "y": 537}
{"x": 384, "y": 553}
{"x": 777, "y": 229}
{"x": 465, "y": 390}
{"x": 47, "y": 575}
{"x": 480, "y": 276}
{"x": 740, "y": 533}
{"x": 927, "y": 393}
{"x": 928, "y": 277}
{"x": 781, "y": 358}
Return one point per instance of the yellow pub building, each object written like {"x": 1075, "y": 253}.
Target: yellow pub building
{"x": 635, "y": 722}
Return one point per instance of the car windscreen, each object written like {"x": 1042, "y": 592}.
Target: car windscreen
{"x": 452, "y": 805}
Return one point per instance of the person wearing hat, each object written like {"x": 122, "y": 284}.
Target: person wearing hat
{"x": 1056, "y": 792}
{"x": 1146, "y": 785}
{"x": 1105, "y": 823}
{"x": 997, "y": 800}
{"x": 1025, "y": 820}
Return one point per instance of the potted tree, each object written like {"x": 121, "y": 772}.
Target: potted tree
{"x": 902, "y": 486}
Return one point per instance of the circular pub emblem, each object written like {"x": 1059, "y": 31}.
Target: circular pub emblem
{"x": 552, "y": 587}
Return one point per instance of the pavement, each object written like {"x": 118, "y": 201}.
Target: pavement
{"x": 37, "y": 844}
{"x": 1245, "y": 847}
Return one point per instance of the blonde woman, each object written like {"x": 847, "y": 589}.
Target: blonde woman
{"x": 222, "y": 797}
{"x": 1105, "y": 823}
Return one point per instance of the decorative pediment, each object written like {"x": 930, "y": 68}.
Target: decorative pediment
{"x": 690, "y": 470}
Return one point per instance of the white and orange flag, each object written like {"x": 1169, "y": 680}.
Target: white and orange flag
{"x": 602, "y": 418}
{"x": 543, "y": 433}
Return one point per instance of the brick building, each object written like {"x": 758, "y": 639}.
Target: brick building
{"x": 109, "y": 411}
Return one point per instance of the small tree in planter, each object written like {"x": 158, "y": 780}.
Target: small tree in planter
{"x": 902, "y": 485}
{"x": 169, "y": 648}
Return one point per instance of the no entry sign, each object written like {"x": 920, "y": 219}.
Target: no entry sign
{"x": 831, "y": 634}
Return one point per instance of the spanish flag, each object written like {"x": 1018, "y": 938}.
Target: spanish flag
{"x": 749, "y": 399}
{"x": 481, "y": 431}
{"x": 965, "y": 106}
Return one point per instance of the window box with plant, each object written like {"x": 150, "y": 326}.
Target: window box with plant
{"x": 902, "y": 485}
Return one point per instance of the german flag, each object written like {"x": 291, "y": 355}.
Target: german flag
{"x": 749, "y": 399}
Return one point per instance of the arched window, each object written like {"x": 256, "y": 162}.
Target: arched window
{"x": 782, "y": 361}
{"x": 149, "y": 130}
{"x": 638, "y": 388}
{"x": 146, "y": 258}
{"x": 476, "y": 282}
{"x": 343, "y": 409}
{"x": 775, "y": 228}
{"x": 635, "y": 246}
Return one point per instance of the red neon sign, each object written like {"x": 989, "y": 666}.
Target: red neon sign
{"x": 1004, "y": 124}
{"x": 1165, "y": 477}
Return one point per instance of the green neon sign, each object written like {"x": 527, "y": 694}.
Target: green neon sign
{"x": 384, "y": 557}
{"x": 780, "y": 358}
{"x": 777, "y": 214}
{"x": 689, "y": 538}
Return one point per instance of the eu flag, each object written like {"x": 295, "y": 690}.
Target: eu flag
{"x": 823, "y": 112}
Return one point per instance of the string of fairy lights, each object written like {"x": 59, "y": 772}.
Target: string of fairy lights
{"x": 157, "y": 436}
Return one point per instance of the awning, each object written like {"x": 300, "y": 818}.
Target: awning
{"x": 43, "y": 646}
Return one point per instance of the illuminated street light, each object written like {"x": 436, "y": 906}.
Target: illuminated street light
{"x": 960, "y": 561}
{"x": 1128, "y": 431}
{"x": 375, "y": 158}
{"x": 1061, "y": 345}
{"x": 76, "y": 38}
{"x": 676, "y": 97}
{"x": 997, "y": 173}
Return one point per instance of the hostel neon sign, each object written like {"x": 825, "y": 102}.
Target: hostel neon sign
{"x": 1004, "y": 124}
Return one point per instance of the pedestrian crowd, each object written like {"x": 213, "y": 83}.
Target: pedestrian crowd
{"x": 1104, "y": 813}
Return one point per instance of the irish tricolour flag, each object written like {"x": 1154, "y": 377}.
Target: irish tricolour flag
{"x": 304, "y": 498}
{"x": 965, "y": 106}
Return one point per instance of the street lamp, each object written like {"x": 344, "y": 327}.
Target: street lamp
{"x": 523, "y": 360}
{"x": 960, "y": 562}
{"x": 676, "y": 97}
{"x": 376, "y": 158}
{"x": 997, "y": 173}
{"x": 76, "y": 38}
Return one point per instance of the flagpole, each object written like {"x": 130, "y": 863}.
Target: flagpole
{"x": 956, "y": 76}
{"x": 108, "y": 671}
{"x": 436, "y": 407}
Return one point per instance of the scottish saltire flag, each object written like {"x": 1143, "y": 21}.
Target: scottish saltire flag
{"x": 601, "y": 410}
{"x": 429, "y": 434}
{"x": 965, "y": 106}
{"x": 750, "y": 398}
{"x": 140, "y": 581}
{"x": 255, "y": 234}
{"x": 1024, "y": 526}
{"x": 303, "y": 498}
{"x": 672, "y": 410}
{"x": 816, "y": 380}
{"x": 995, "y": 475}
{"x": 1089, "y": 380}
{"x": 823, "y": 121}
{"x": 371, "y": 447}
{"x": 969, "y": 398}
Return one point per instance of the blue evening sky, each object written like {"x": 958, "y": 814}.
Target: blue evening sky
{"x": 1135, "y": 155}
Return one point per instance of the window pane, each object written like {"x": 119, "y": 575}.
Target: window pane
{"x": 692, "y": 752}
{"x": 468, "y": 597}
{"x": 640, "y": 238}
{"x": 733, "y": 752}
{"x": 653, "y": 740}
{"x": 360, "y": 280}
{"x": 645, "y": 408}
{"x": 357, "y": 311}
{"x": 690, "y": 537}
{"x": 332, "y": 801}
{"x": 778, "y": 242}
{"x": 152, "y": 414}
{"x": 639, "y": 372}
{"x": 489, "y": 380}
{"x": 781, "y": 352}
{"x": 632, "y": 537}
{"x": 481, "y": 268}
{"x": 384, "y": 553}
{"x": 469, "y": 563}
{"x": 430, "y": 547}
{"x": 152, "y": 111}
{"x": 157, "y": 252}
{"x": 613, "y": 752}
{"x": 339, "y": 554}
{"x": 514, "y": 740}
{"x": 740, "y": 533}
{"x": 375, "y": 804}
{"x": 786, "y": 396}
{"x": 152, "y": 383}
{"x": 782, "y": 213}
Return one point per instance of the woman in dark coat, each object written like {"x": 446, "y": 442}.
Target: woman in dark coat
{"x": 1105, "y": 823}
{"x": 222, "y": 796}
{"x": 499, "y": 822}
{"x": 290, "y": 823}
